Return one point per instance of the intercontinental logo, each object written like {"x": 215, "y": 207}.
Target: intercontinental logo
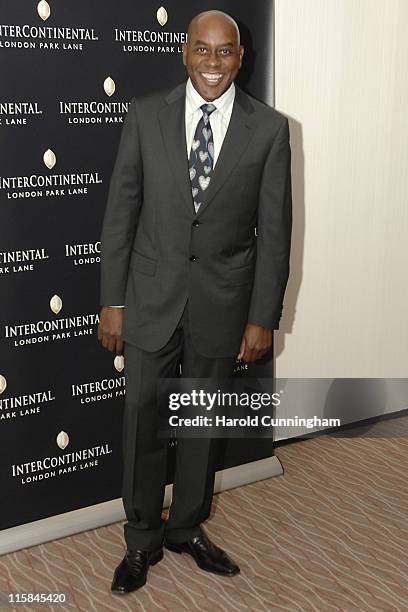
{"x": 48, "y": 185}
{"x": 151, "y": 40}
{"x": 55, "y": 466}
{"x": 108, "y": 111}
{"x": 18, "y": 113}
{"x": 52, "y": 330}
{"x": 45, "y": 37}
{"x": 15, "y": 407}
{"x": 21, "y": 261}
{"x": 99, "y": 390}
{"x": 84, "y": 254}
{"x": 119, "y": 363}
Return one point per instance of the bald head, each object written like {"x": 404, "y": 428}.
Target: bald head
{"x": 219, "y": 17}
{"x": 213, "y": 53}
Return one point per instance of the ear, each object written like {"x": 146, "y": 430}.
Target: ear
{"x": 184, "y": 53}
{"x": 241, "y": 54}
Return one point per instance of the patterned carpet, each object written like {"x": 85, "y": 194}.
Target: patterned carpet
{"x": 330, "y": 534}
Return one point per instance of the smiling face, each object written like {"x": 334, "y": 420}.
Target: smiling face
{"x": 212, "y": 54}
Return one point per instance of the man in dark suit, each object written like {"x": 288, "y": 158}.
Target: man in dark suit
{"x": 195, "y": 246}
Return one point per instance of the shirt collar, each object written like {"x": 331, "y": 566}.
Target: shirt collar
{"x": 194, "y": 100}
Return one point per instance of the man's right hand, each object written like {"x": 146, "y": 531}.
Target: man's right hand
{"x": 110, "y": 328}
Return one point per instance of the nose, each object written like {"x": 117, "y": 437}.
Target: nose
{"x": 213, "y": 59}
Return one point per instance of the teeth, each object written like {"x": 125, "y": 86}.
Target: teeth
{"x": 212, "y": 77}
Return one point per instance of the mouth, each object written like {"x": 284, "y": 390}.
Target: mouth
{"x": 212, "y": 78}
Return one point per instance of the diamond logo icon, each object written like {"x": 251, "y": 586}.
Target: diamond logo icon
{"x": 162, "y": 16}
{"x": 3, "y": 384}
{"x": 43, "y": 9}
{"x": 56, "y": 304}
{"x": 109, "y": 86}
{"x": 119, "y": 363}
{"x": 49, "y": 159}
{"x": 62, "y": 440}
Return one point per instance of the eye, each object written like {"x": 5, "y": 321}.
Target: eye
{"x": 225, "y": 51}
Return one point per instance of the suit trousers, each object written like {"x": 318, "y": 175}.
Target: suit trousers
{"x": 145, "y": 454}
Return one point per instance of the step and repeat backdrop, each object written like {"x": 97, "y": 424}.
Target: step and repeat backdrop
{"x": 69, "y": 70}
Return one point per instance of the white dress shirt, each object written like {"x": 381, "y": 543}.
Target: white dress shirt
{"x": 219, "y": 118}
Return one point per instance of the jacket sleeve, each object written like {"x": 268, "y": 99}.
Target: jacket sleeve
{"x": 122, "y": 212}
{"x": 274, "y": 227}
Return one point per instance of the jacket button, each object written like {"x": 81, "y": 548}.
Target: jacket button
{"x": 196, "y": 223}
{"x": 193, "y": 258}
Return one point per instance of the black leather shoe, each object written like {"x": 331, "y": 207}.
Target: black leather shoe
{"x": 207, "y": 555}
{"x": 131, "y": 573}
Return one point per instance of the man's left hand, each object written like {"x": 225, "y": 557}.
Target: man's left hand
{"x": 255, "y": 342}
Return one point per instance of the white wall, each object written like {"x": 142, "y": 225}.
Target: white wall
{"x": 342, "y": 80}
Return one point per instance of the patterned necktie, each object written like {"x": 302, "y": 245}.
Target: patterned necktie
{"x": 201, "y": 160}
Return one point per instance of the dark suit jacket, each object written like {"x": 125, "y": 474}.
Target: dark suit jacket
{"x": 156, "y": 251}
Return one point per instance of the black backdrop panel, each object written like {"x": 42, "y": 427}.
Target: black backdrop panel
{"x": 68, "y": 72}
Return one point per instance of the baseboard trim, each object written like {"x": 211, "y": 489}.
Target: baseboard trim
{"x": 66, "y": 524}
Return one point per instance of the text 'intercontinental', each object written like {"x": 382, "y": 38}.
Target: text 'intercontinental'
{"x": 68, "y": 463}
{"x": 45, "y": 37}
{"x": 62, "y": 329}
{"x": 150, "y": 41}
{"x": 39, "y": 185}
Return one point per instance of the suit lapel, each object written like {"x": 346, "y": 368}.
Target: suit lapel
{"x": 172, "y": 124}
{"x": 239, "y": 133}
{"x": 240, "y": 130}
